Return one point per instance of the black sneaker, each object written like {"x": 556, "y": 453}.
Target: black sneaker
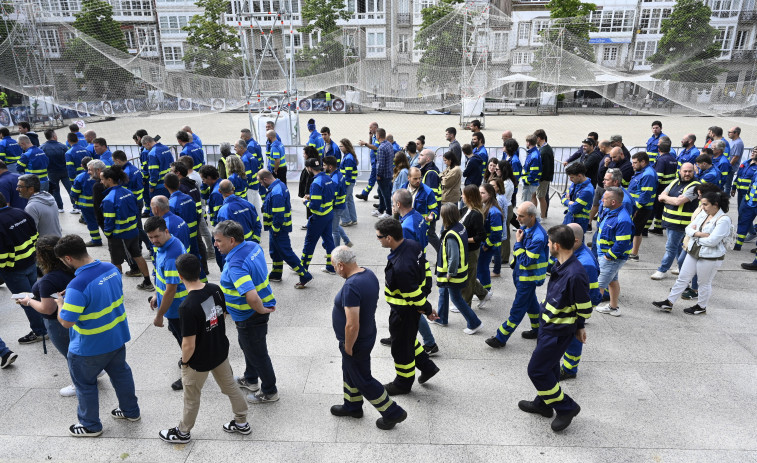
{"x": 177, "y": 385}
{"x": 31, "y": 338}
{"x": 133, "y": 273}
{"x": 563, "y": 421}
{"x": 375, "y": 205}
{"x": 387, "y": 424}
{"x": 146, "y": 286}
{"x": 77, "y": 430}
{"x": 530, "y": 334}
{"x": 361, "y": 196}
{"x": 7, "y": 359}
{"x": 232, "y": 426}
{"x": 656, "y": 231}
{"x": 375, "y": 196}
{"x": 665, "y": 305}
{"x": 339, "y": 410}
{"x": 565, "y": 375}
{"x": 431, "y": 349}
{"x": 118, "y": 414}
{"x": 274, "y": 277}
{"x": 529, "y": 406}
{"x": 426, "y": 375}
{"x": 386, "y": 341}
{"x": 393, "y": 389}
{"x": 695, "y": 310}
{"x": 495, "y": 343}
{"x": 690, "y": 294}
{"x": 588, "y": 229}
{"x": 174, "y": 436}
{"x": 634, "y": 257}
{"x": 749, "y": 266}
{"x": 93, "y": 244}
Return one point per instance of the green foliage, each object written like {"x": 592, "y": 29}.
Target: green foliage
{"x": 322, "y": 15}
{"x": 211, "y": 44}
{"x": 687, "y": 48}
{"x": 96, "y": 20}
{"x": 573, "y": 16}
{"x": 441, "y": 36}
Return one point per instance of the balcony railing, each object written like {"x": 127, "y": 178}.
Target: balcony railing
{"x": 404, "y": 19}
{"x": 744, "y": 55}
{"x": 748, "y": 16}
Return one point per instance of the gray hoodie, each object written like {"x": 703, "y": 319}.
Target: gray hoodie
{"x": 44, "y": 211}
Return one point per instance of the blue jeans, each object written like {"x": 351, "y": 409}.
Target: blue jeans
{"x": 84, "y": 371}
{"x": 55, "y": 179}
{"x": 425, "y": 331}
{"x": 672, "y": 248}
{"x": 251, "y": 335}
{"x": 340, "y": 215}
{"x": 608, "y": 271}
{"x": 3, "y": 348}
{"x": 350, "y": 203}
{"x": 445, "y": 294}
{"x": 21, "y": 281}
{"x": 59, "y": 335}
{"x": 385, "y": 195}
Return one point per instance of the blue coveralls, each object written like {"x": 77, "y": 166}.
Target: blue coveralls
{"x": 321, "y": 204}
{"x": 493, "y": 226}
{"x": 81, "y": 195}
{"x": 277, "y": 219}
{"x": 573, "y": 352}
{"x": 581, "y": 195}
{"x": 747, "y": 213}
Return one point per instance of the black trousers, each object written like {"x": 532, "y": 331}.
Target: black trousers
{"x": 407, "y": 352}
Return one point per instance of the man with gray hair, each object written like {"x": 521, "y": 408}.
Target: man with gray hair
{"x": 240, "y": 210}
{"x": 354, "y": 320}
{"x": 33, "y": 161}
{"x": 41, "y": 205}
{"x": 614, "y": 246}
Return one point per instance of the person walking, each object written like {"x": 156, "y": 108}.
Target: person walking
{"x": 371, "y": 144}
{"x": 348, "y": 167}
{"x": 239, "y": 210}
{"x": 82, "y": 196}
{"x": 579, "y": 196}
{"x": 493, "y": 227}
{"x": 384, "y": 161}
{"x": 56, "y": 168}
{"x": 472, "y": 219}
{"x": 643, "y": 188}
{"x": 451, "y": 177}
{"x": 331, "y": 165}
{"x": 320, "y": 201}
{"x": 614, "y": 246}
{"x": 706, "y": 249}
{"x": 306, "y": 179}
{"x": 204, "y": 350}
{"x": 354, "y": 321}
{"x": 93, "y": 311}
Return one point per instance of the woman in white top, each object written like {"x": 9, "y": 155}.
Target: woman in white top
{"x": 705, "y": 247}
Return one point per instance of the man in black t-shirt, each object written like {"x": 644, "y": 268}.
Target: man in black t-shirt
{"x": 204, "y": 349}
{"x": 354, "y": 322}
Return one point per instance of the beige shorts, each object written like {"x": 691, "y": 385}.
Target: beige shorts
{"x": 543, "y": 189}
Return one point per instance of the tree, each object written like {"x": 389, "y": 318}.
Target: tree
{"x": 328, "y": 54}
{"x": 212, "y": 45}
{"x": 96, "y": 20}
{"x": 573, "y": 16}
{"x": 687, "y": 49}
{"x": 441, "y": 37}
{"x": 322, "y": 15}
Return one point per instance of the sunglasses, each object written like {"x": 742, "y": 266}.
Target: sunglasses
{"x": 381, "y": 237}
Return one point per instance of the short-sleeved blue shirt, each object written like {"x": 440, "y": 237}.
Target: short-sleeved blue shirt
{"x": 166, "y": 274}
{"x": 245, "y": 270}
{"x": 359, "y": 290}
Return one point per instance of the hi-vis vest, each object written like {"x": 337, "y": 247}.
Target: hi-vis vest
{"x": 461, "y": 276}
{"x": 679, "y": 216}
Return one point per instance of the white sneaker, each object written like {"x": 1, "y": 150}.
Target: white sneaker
{"x": 101, "y": 374}
{"x": 384, "y": 215}
{"x": 68, "y": 391}
{"x": 474, "y": 330}
{"x": 376, "y": 213}
{"x": 75, "y": 211}
{"x": 482, "y": 302}
{"x": 454, "y": 309}
{"x": 658, "y": 275}
{"x": 675, "y": 271}
{"x": 61, "y": 211}
{"x": 606, "y": 309}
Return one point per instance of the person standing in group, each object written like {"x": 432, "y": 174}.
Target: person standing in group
{"x": 452, "y": 270}
{"x": 736, "y": 155}
{"x": 547, "y": 174}
{"x": 450, "y": 135}
{"x": 384, "y": 165}
{"x": 400, "y": 172}
{"x": 33, "y": 161}
{"x": 493, "y": 227}
{"x": 252, "y": 160}
{"x": 210, "y": 179}
{"x": 169, "y": 290}
{"x": 423, "y": 198}
{"x": 159, "y": 162}
{"x": 706, "y": 171}
{"x": 653, "y": 142}
{"x": 371, "y": 144}
{"x": 237, "y": 172}
{"x": 532, "y": 169}
{"x": 680, "y": 200}
{"x": 9, "y": 187}
{"x": 10, "y": 151}
{"x": 331, "y": 165}
{"x": 56, "y": 169}
{"x": 161, "y": 207}
{"x": 720, "y": 160}
{"x": 250, "y": 300}
{"x": 252, "y": 148}
{"x": 276, "y": 154}
{"x": 315, "y": 140}
{"x": 407, "y": 284}
{"x": 93, "y": 310}
{"x": 74, "y": 156}
{"x": 747, "y": 214}
{"x": 320, "y": 201}
{"x": 530, "y": 269}
{"x": 204, "y": 349}
{"x": 451, "y": 178}
{"x": 706, "y": 249}
{"x": 81, "y": 195}
{"x": 472, "y": 219}
{"x": 643, "y": 189}
{"x": 277, "y": 219}
{"x": 40, "y": 205}
{"x": 510, "y": 184}
{"x": 476, "y": 159}
{"x": 354, "y": 321}
{"x": 239, "y": 210}
{"x": 190, "y": 148}
{"x": 330, "y": 147}
{"x": 348, "y": 167}
{"x": 666, "y": 167}
{"x": 579, "y": 196}
{"x": 430, "y": 178}
{"x": 614, "y": 246}
{"x": 563, "y": 315}
{"x": 744, "y": 176}
{"x": 18, "y": 237}
{"x": 184, "y": 206}
{"x": 306, "y": 179}
{"x": 24, "y": 128}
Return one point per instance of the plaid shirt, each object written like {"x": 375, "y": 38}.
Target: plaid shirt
{"x": 385, "y": 160}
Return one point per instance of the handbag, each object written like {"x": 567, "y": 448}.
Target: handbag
{"x": 686, "y": 240}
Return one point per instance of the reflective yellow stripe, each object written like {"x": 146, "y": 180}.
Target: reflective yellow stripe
{"x": 105, "y": 311}
{"x": 102, "y": 328}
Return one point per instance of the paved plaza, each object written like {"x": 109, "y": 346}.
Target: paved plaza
{"x": 653, "y": 386}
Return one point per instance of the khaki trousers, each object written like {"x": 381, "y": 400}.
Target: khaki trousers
{"x": 193, "y": 382}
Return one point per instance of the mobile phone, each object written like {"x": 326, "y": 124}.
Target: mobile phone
{"x": 21, "y": 295}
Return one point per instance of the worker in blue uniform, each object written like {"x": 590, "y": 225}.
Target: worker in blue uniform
{"x": 688, "y": 152}
{"x": 185, "y": 207}
{"x": 33, "y": 161}
{"x": 320, "y": 201}
{"x": 430, "y": 178}
{"x": 190, "y": 148}
{"x": 10, "y": 152}
{"x": 143, "y": 163}
{"x": 214, "y": 200}
{"x": 276, "y": 154}
{"x": 473, "y": 174}
{"x": 371, "y": 144}
{"x": 161, "y": 207}
{"x": 532, "y": 169}
{"x": 744, "y": 177}
{"x": 747, "y": 214}
{"x": 643, "y": 190}
{"x": 81, "y": 196}
{"x": 74, "y": 155}
{"x": 720, "y": 160}
{"x": 493, "y": 227}
{"x": 277, "y": 219}
{"x": 654, "y": 140}
{"x": 331, "y": 165}
{"x": 253, "y": 147}
{"x": 315, "y": 139}
{"x": 666, "y": 167}
{"x": 159, "y": 162}
{"x": 348, "y": 167}
{"x": 706, "y": 171}
{"x": 562, "y": 318}
{"x": 531, "y": 254}
{"x": 579, "y": 197}
{"x": 424, "y": 199}
{"x": 330, "y": 147}
{"x": 239, "y": 210}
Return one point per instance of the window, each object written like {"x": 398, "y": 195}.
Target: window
{"x": 403, "y": 43}
{"x": 172, "y": 56}
{"x": 289, "y": 38}
{"x": 539, "y": 26}
{"x": 50, "y": 42}
{"x": 403, "y": 7}
{"x": 613, "y": 20}
{"x": 148, "y": 42}
{"x": 174, "y": 2}
{"x": 314, "y": 38}
{"x": 742, "y": 40}
{"x": 724, "y": 39}
{"x": 366, "y": 9}
{"x": 610, "y": 54}
{"x": 173, "y": 24}
{"x": 652, "y": 18}
{"x": 724, "y": 8}
{"x": 419, "y": 5}
{"x": 375, "y": 43}
{"x": 643, "y": 51}
{"x": 132, "y": 8}
{"x": 524, "y": 31}
{"x": 522, "y": 57}
{"x": 60, "y": 8}
{"x": 132, "y": 43}
{"x": 499, "y": 46}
